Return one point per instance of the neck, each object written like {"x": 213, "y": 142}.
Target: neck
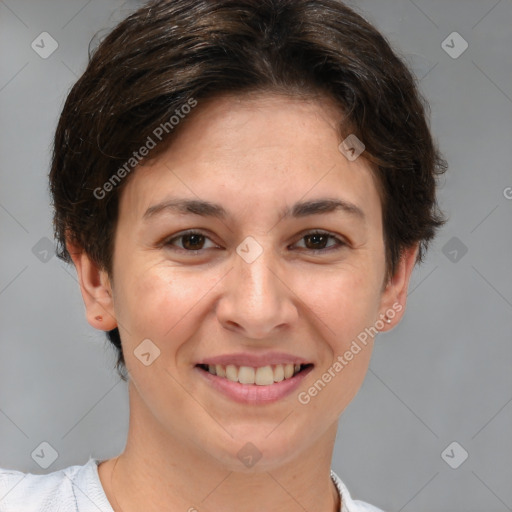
{"x": 163, "y": 471}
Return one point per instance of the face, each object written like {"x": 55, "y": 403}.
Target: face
{"x": 272, "y": 277}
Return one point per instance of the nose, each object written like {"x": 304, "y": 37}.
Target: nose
{"x": 258, "y": 299}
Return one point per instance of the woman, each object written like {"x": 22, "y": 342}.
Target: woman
{"x": 244, "y": 189}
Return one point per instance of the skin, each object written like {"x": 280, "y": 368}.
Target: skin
{"x": 253, "y": 155}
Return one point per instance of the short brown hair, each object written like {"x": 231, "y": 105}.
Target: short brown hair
{"x": 169, "y": 51}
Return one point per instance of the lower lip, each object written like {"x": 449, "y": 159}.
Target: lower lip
{"x": 253, "y": 393}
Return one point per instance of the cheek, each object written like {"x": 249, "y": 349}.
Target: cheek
{"x": 344, "y": 306}
{"x": 160, "y": 300}
{"x": 345, "y": 300}
{"x": 163, "y": 304}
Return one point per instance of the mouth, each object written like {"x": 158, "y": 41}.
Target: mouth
{"x": 251, "y": 376}
{"x": 253, "y": 385}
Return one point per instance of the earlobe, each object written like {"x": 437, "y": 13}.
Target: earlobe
{"x": 95, "y": 288}
{"x": 394, "y": 296}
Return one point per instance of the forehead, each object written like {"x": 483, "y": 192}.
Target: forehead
{"x": 259, "y": 149}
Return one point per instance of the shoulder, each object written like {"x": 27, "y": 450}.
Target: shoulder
{"x": 61, "y": 490}
{"x": 349, "y": 504}
{"x": 31, "y": 492}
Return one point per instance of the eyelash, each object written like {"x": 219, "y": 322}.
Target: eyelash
{"x": 339, "y": 243}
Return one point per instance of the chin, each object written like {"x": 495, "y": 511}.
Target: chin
{"x": 258, "y": 452}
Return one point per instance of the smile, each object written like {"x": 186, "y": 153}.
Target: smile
{"x": 253, "y": 386}
{"x": 261, "y": 376}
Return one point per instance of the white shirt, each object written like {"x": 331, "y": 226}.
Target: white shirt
{"x": 79, "y": 489}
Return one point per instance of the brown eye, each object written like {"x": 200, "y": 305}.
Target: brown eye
{"x": 317, "y": 241}
{"x": 191, "y": 241}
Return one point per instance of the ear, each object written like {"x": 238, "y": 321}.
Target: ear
{"x": 96, "y": 289}
{"x": 394, "y": 295}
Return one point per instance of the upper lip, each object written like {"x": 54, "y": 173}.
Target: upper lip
{"x": 254, "y": 360}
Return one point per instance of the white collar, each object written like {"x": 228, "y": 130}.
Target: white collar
{"x": 345, "y": 498}
{"x": 347, "y": 504}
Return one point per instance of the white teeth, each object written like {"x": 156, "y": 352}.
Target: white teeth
{"x": 246, "y": 375}
{"x": 231, "y": 372}
{"x": 279, "y": 373}
{"x": 262, "y": 376}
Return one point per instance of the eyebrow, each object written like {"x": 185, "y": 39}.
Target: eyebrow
{"x": 208, "y": 209}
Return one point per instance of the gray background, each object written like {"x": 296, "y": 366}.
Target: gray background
{"x": 443, "y": 375}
